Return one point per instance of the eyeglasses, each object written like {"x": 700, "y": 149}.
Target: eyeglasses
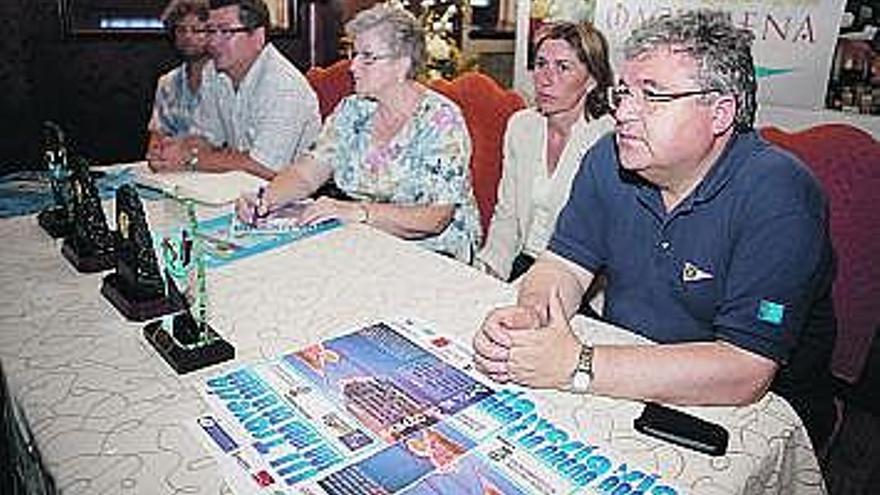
{"x": 368, "y": 57}
{"x": 648, "y": 99}
{"x": 182, "y": 29}
{"x": 224, "y": 32}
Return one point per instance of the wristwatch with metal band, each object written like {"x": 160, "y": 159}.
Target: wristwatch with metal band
{"x": 582, "y": 376}
{"x": 193, "y": 161}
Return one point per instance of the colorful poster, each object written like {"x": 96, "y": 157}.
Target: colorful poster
{"x": 394, "y": 408}
{"x": 793, "y": 48}
{"x": 224, "y": 243}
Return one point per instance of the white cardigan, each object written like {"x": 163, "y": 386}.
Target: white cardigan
{"x": 528, "y": 199}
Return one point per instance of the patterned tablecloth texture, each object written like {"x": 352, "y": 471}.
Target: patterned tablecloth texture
{"x": 107, "y": 415}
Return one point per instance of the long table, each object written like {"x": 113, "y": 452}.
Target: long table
{"x": 104, "y": 414}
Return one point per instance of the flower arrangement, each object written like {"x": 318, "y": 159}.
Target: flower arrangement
{"x": 442, "y": 22}
{"x": 570, "y": 10}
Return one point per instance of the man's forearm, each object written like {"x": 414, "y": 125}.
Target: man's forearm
{"x": 224, "y": 159}
{"x": 697, "y": 373}
{"x": 548, "y": 273}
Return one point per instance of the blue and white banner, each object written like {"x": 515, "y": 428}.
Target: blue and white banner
{"x": 794, "y": 40}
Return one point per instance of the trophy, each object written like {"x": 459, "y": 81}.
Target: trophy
{"x": 90, "y": 245}
{"x": 136, "y": 288}
{"x": 56, "y": 219}
{"x": 185, "y": 339}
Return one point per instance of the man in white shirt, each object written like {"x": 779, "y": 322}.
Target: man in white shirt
{"x": 259, "y": 114}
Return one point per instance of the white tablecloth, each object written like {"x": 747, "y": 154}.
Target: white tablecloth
{"x": 109, "y": 416}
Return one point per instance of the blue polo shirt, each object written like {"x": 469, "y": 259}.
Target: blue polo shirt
{"x": 746, "y": 258}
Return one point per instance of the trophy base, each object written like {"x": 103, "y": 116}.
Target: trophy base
{"x": 55, "y": 222}
{"x": 88, "y": 264}
{"x": 134, "y": 304}
{"x": 185, "y": 360}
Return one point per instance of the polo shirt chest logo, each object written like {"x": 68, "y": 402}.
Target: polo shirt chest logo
{"x": 692, "y": 273}
{"x": 771, "y": 312}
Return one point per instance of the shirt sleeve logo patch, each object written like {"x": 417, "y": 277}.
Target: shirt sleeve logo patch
{"x": 771, "y": 312}
{"x": 692, "y": 273}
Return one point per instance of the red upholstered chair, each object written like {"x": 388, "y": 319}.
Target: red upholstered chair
{"x": 486, "y": 107}
{"x": 846, "y": 161}
{"x": 332, "y": 84}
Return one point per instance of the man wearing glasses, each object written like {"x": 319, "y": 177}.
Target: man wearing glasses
{"x": 714, "y": 243}
{"x": 259, "y": 115}
{"x": 178, "y": 91}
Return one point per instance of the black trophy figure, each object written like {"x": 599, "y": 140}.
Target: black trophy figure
{"x": 185, "y": 340}
{"x": 136, "y": 289}
{"x": 90, "y": 245}
{"x": 56, "y": 220}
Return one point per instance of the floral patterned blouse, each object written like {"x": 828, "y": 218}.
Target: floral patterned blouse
{"x": 426, "y": 162}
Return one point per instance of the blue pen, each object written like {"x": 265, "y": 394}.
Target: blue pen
{"x": 260, "y": 192}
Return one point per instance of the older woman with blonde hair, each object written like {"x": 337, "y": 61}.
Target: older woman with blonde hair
{"x": 400, "y": 150}
{"x": 544, "y": 145}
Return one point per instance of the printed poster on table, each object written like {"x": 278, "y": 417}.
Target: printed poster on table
{"x": 225, "y": 239}
{"x": 394, "y": 408}
{"x": 793, "y": 48}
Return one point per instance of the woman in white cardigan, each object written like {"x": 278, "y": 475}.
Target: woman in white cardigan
{"x": 544, "y": 145}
